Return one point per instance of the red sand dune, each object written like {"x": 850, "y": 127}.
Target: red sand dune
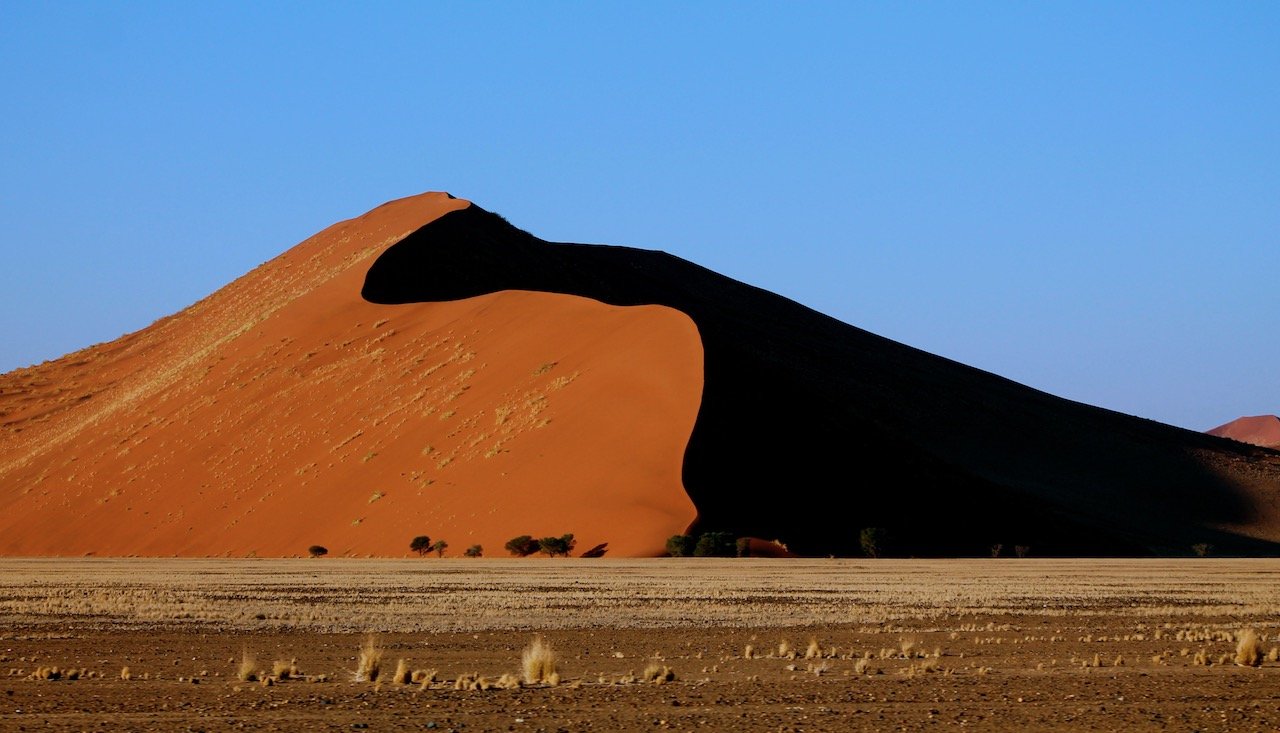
{"x": 428, "y": 368}
{"x": 285, "y": 411}
{"x": 1263, "y": 430}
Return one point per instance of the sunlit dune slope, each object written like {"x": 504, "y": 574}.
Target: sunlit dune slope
{"x": 285, "y": 411}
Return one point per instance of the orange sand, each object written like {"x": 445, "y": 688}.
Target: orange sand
{"x": 1263, "y": 430}
{"x": 285, "y": 411}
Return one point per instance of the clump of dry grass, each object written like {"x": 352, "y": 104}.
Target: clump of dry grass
{"x": 658, "y": 674}
{"x": 862, "y": 666}
{"x": 785, "y": 651}
{"x": 248, "y": 669}
{"x": 283, "y": 670}
{"x": 423, "y": 677}
{"x": 507, "y": 681}
{"x": 1248, "y": 649}
{"x": 125, "y": 674}
{"x": 749, "y": 652}
{"x": 474, "y": 682}
{"x": 49, "y": 674}
{"x": 538, "y": 663}
{"x": 402, "y": 675}
{"x": 369, "y": 663}
{"x": 813, "y": 651}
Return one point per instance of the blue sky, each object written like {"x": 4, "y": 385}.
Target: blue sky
{"x": 1083, "y": 197}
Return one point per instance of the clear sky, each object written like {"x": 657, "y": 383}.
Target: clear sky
{"x": 1083, "y": 197}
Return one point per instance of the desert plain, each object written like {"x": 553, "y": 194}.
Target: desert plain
{"x": 734, "y": 644}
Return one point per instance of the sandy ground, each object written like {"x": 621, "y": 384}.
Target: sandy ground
{"x": 914, "y": 645}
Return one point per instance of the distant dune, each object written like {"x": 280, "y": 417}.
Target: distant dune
{"x": 427, "y": 368}
{"x": 1263, "y": 430}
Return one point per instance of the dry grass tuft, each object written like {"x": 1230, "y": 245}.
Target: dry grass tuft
{"x": 862, "y": 666}
{"x": 423, "y": 677}
{"x": 785, "y": 651}
{"x": 813, "y": 651}
{"x": 125, "y": 674}
{"x": 507, "y": 681}
{"x": 283, "y": 670}
{"x": 658, "y": 674}
{"x": 750, "y": 652}
{"x": 538, "y": 663}
{"x": 248, "y": 669}
{"x": 370, "y": 661}
{"x": 402, "y": 675}
{"x": 469, "y": 681}
{"x": 1248, "y": 649}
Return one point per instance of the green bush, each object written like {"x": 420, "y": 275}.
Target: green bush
{"x": 681, "y": 545}
{"x": 874, "y": 541}
{"x": 522, "y": 546}
{"x": 420, "y": 544}
{"x": 715, "y": 544}
{"x": 473, "y": 551}
{"x": 557, "y": 546}
{"x": 439, "y": 547}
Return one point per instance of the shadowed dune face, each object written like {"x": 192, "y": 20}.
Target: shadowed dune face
{"x": 799, "y": 409}
{"x": 1263, "y": 430}
{"x": 286, "y": 411}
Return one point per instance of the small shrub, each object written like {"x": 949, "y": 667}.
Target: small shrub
{"x": 439, "y": 547}
{"x": 996, "y": 549}
{"x": 658, "y": 674}
{"x": 557, "y": 546}
{"x": 402, "y": 675}
{"x": 874, "y": 541}
{"x": 421, "y": 545}
{"x": 283, "y": 670}
{"x": 1248, "y": 649}
{"x": 248, "y": 669}
{"x": 1202, "y": 549}
{"x": 743, "y": 547}
{"x": 522, "y": 546}
{"x": 473, "y": 551}
{"x": 370, "y": 661}
{"x": 813, "y": 651}
{"x": 538, "y": 663}
{"x": 715, "y": 544}
{"x": 317, "y": 551}
{"x": 1021, "y": 550}
{"x": 681, "y": 545}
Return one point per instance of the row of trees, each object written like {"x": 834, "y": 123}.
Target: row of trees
{"x": 874, "y": 541}
{"x": 422, "y": 544}
{"x": 709, "y": 544}
{"x": 525, "y": 545}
